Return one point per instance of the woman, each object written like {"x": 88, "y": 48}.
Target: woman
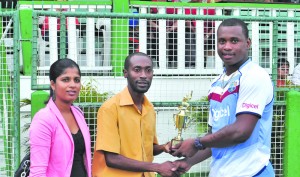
{"x": 59, "y": 137}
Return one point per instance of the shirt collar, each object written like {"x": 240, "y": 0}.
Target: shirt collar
{"x": 126, "y": 99}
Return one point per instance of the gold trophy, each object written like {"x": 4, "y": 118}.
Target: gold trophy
{"x": 182, "y": 119}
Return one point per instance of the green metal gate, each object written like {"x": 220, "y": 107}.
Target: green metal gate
{"x": 9, "y": 93}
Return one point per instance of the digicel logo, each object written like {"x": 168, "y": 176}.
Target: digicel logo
{"x": 249, "y": 105}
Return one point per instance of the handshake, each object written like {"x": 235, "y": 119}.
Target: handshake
{"x": 176, "y": 168}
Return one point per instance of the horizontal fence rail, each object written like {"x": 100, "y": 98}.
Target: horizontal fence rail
{"x": 84, "y": 50}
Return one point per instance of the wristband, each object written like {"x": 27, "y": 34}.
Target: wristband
{"x": 198, "y": 144}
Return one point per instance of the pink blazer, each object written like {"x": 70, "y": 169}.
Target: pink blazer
{"x": 51, "y": 143}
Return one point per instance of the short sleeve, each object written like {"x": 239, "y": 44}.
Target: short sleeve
{"x": 108, "y": 138}
{"x": 256, "y": 91}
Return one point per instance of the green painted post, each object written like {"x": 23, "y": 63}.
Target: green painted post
{"x": 119, "y": 37}
{"x": 26, "y": 35}
{"x": 291, "y": 155}
{"x": 38, "y": 99}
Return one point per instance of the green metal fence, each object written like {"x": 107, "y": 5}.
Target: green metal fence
{"x": 9, "y": 93}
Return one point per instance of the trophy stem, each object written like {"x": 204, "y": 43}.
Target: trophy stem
{"x": 178, "y": 139}
{"x": 179, "y": 134}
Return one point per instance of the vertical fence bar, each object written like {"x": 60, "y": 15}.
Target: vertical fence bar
{"x": 72, "y": 38}
{"x": 290, "y": 38}
{"x": 162, "y": 38}
{"x": 16, "y": 90}
{"x": 53, "y": 39}
{"x": 255, "y": 39}
{"x": 274, "y": 54}
{"x": 90, "y": 40}
{"x": 180, "y": 41}
{"x": 200, "y": 42}
{"x": 62, "y": 40}
{"x": 143, "y": 32}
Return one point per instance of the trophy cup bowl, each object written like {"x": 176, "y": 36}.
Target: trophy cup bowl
{"x": 181, "y": 121}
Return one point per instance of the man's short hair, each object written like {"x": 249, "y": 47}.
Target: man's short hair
{"x": 236, "y": 22}
{"x": 127, "y": 60}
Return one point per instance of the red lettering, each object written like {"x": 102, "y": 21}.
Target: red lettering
{"x": 249, "y": 105}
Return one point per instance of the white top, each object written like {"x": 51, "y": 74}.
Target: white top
{"x": 247, "y": 91}
{"x": 296, "y": 75}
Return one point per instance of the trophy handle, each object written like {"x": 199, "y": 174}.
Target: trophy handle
{"x": 189, "y": 120}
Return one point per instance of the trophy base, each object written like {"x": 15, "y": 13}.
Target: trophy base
{"x": 174, "y": 142}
